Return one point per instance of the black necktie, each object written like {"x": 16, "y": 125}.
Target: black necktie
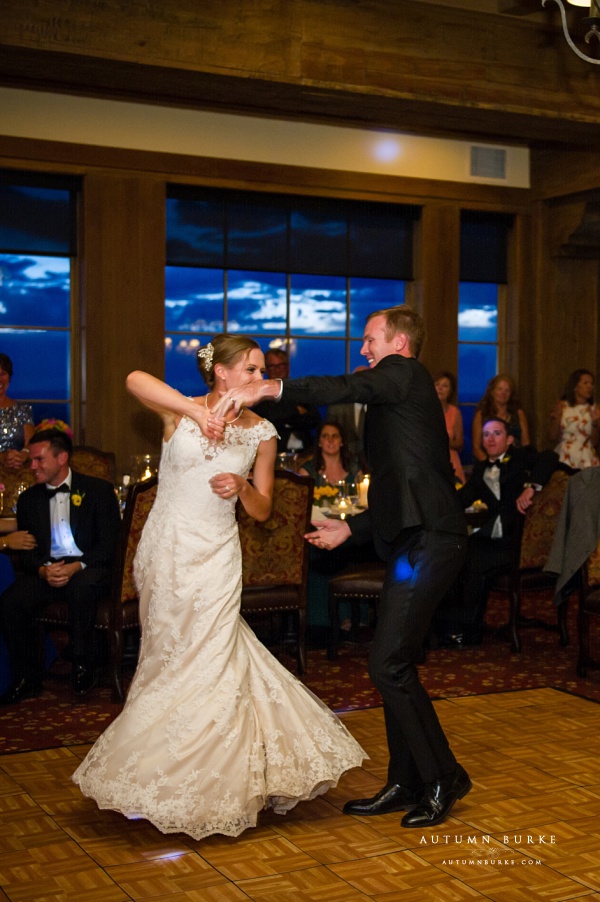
{"x": 61, "y": 488}
{"x": 491, "y": 463}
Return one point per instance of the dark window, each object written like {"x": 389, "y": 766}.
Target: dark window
{"x": 37, "y": 244}
{"x": 304, "y": 270}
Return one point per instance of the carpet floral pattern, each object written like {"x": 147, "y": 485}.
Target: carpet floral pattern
{"x": 57, "y": 718}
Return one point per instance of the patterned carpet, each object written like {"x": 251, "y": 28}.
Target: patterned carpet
{"x": 57, "y": 718}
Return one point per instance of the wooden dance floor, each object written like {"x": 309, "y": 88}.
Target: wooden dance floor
{"x": 529, "y": 829}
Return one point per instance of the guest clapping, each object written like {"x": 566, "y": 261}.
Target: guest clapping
{"x": 445, "y": 386}
{"x": 500, "y": 400}
{"x": 574, "y": 422}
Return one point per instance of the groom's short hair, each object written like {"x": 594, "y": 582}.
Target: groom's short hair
{"x": 403, "y": 319}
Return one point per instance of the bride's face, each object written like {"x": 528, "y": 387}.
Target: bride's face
{"x": 249, "y": 368}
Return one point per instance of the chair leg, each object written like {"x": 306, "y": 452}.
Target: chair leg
{"x": 515, "y": 610}
{"x": 334, "y": 627}
{"x": 116, "y": 665}
{"x": 563, "y": 629}
{"x": 301, "y": 641}
{"x": 583, "y": 627}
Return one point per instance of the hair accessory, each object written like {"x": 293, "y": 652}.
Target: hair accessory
{"x": 59, "y": 425}
{"x": 207, "y": 354}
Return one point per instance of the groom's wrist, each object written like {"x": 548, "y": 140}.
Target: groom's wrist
{"x": 274, "y": 389}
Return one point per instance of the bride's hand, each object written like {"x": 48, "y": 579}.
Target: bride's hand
{"x": 226, "y": 485}
{"x": 212, "y": 425}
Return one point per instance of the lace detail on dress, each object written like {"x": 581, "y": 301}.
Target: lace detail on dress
{"x": 214, "y": 729}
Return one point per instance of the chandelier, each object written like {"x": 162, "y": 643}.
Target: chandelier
{"x": 593, "y": 21}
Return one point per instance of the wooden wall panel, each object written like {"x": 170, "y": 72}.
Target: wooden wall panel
{"x": 123, "y": 302}
{"x": 400, "y": 64}
{"x": 436, "y": 284}
{"x": 566, "y": 304}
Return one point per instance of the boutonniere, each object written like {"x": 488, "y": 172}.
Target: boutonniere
{"x": 505, "y": 459}
{"x": 77, "y": 498}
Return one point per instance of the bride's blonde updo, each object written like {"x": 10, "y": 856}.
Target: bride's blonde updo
{"x": 223, "y": 349}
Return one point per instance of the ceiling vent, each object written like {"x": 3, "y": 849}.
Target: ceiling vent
{"x": 488, "y": 162}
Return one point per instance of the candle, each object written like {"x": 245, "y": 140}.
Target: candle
{"x": 363, "y": 492}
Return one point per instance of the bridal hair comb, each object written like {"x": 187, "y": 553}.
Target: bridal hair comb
{"x": 206, "y": 353}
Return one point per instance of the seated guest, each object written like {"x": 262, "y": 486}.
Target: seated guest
{"x": 13, "y": 541}
{"x": 16, "y": 422}
{"x": 74, "y": 520}
{"x": 500, "y": 400}
{"x": 331, "y": 463}
{"x": 505, "y": 481}
{"x": 295, "y": 424}
{"x": 445, "y": 386}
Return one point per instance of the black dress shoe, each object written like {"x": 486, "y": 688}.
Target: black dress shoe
{"x": 20, "y": 690}
{"x": 437, "y": 800}
{"x": 82, "y": 679}
{"x": 392, "y": 797}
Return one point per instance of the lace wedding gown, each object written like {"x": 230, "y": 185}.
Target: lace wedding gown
{"x": 214, "y": 729}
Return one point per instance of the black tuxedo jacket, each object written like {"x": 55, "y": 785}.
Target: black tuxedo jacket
{"x": 518, "y": 466}
{"x": 95, "y": 523}
{"x": 406, "y": 445}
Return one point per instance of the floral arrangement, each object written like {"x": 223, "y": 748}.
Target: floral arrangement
{"x": 51, "y": 423}
{"x": 324, "y": 491}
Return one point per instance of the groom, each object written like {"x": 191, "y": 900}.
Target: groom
{"x": 418, "y": 527}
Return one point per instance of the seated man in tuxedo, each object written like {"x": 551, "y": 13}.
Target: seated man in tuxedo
{"x": 74, "y": 520}
{"x": 295, "y": 423}
{"x": 506, "y": 481}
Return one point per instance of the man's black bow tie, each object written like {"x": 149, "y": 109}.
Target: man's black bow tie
{"x": 61, "y": 488}
{"x": 491, "y": 463}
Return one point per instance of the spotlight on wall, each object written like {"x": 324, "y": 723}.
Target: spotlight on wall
{"x": 592, "y": 22}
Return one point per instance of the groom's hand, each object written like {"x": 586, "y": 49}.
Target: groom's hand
{"x": 247, "y": 396}
{"x": 329, "y": 534}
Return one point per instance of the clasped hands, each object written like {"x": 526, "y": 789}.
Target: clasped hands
{"x": 213, "y": 422}
{"x": 59, "y": 573}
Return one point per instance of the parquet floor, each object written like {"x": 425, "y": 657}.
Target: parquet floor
{"x": 530, "y": 828}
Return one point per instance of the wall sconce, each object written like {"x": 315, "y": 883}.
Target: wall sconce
{"x": 593, "y": 20}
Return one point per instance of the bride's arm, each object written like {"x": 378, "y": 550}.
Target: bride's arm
{"x": 257, "y": 497}
{"x": 171, "y": 404}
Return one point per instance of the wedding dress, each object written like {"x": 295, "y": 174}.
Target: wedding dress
{"x": 214, "y": 728}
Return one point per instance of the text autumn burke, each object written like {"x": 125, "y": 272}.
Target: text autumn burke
{"x": 517, "y": 839}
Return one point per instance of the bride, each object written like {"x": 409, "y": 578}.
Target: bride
{"x": 214, "y": 728}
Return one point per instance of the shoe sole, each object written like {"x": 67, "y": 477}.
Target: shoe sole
{"x": 407, "y": 807}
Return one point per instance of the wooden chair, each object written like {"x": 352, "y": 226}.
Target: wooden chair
{"x": 532, "y": 547}
{"x": 11, "y": 480}
{"x": 275, "y": 555}
{"x": 94, "y": 462}
{"x": 118, "y": 612}
{"x": 589, "y": 606}
{"x": 359, "y": 584}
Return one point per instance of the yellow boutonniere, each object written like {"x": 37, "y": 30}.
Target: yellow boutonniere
{"x": 505, "y": 459}
{"x": 77, "y": 498}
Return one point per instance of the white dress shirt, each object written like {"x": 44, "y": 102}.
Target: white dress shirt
{"x": 63, "y": 544}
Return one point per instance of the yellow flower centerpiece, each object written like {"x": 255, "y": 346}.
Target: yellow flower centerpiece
{"x": 322, "y": 493}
